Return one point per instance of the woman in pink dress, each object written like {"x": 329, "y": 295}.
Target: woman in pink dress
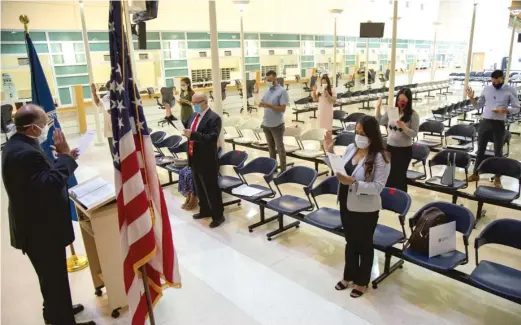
{"x": 326, "y": 97}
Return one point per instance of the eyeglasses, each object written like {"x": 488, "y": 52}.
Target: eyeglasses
{"x": 199, "y": 102}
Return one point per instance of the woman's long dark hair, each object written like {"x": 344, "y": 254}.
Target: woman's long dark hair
{"x": 188, "y": 83}
{"x": 407, "y": 110}
{"x": 372, "y": 131}
{"x": 328, "y": 88}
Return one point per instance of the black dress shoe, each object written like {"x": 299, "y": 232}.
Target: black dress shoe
{"x": 76, "y": 309}
{"x": 200, "y": 216}
{"x": 91, "y": 322}
{"x": 216, "y": 223}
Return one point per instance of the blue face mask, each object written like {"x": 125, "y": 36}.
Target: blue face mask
{"x": 197, "y": 108}
{"x": 269, "y": 84}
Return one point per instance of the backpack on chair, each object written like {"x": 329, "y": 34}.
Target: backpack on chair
{"x": 419, "y": 240}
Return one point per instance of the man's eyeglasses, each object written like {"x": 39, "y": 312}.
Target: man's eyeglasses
{"x": 199, "y": 102}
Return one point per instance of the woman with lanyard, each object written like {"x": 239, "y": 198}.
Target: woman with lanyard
{"x": 326, "y": 97}
{"x": 402, "y": 123}
{"x": 366, "y": 171}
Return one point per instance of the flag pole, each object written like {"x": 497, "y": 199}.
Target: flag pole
{"x": 99, "y": 137}
{"x": 142, "y": 269}
{"x": 74, "y": 263}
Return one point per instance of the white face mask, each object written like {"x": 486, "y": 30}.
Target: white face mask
{"x": 362, "y": 141}
{"x": 324, "y": 86}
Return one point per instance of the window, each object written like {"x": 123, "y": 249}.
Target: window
{"x": 266, "y": 68}
{"x": 291, "y": 66}
{"x": 23, "y": 61}
{"x": 201, "y": 75}
{"x": 202, "y": 54}
{"x": 290, "y": 52}
{"x": 322, "y": 52}
{"x": 143, "y": 56}
{"x": 106, "y": 58}
{"x": 226, "y": 73}
{"x": 227, "y": 53}
{"x": 271, "y": 52}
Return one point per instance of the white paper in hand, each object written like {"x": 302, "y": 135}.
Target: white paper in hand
{"x": 337, "y": 163}
{"x": 393, "y": 114}
{"x": 85, "y": 141}
{"x": 442, "y": 239}
{"x": 179, "y": 125}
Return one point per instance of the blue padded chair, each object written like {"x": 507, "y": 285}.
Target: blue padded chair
{"x": 345, "y": 139}
{"x": 168, "y": 142}
{"x": 420, "y": 153}
{"x": 499, "y": 279}
{"x": 156, "y": 138}
{"x": 291, "y": 205}
{"x": 501, "y": 166}
{"x": 324, "y": 217}
{"x": 441, "y": 159}
{"x": 385, "y": 237}
{"x": 464, "y": 225}
{"x": 234, "y": 158}
{"x": 266, "y": 167}
{"x": 171, "y": 167}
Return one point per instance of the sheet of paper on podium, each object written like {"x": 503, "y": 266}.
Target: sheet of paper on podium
{"x": 93, "y": 193}
{"x": 337, "y": 163}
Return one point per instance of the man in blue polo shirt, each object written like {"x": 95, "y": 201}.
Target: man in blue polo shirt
{"x": 497, "y": 100}
{"x": 274, "y": 102}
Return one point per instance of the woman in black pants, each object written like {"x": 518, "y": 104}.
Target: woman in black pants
{"x": 403, "y": 124}
{"x": 366, "y": 171}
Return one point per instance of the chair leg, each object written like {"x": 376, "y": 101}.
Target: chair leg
{"x": 480, "y": 213}
{"x": 388, "y": 269}
{"x": 282, "y": 228}
{"x": 263, "y": 219}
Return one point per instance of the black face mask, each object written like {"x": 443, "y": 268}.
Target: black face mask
{"x": 498, "y": 86}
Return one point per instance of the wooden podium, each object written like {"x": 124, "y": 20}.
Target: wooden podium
{"x": 100, "y": 231}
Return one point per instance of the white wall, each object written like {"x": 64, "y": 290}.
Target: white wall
{"x": 276, "y": 16}
{"x": 491, "y": 34}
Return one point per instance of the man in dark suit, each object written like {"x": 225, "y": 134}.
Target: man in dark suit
{"x": 203, "y": 130}
{"x": 39, "y": 212}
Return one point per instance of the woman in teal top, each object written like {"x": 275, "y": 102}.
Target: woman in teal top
{"x": 185, "y": 99}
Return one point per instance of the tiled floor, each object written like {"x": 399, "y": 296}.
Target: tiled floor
{"x": 231, "y": 276}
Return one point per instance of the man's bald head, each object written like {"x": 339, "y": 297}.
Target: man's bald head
{"x": 29, "y": 115}
{"x": 202, "y": 99}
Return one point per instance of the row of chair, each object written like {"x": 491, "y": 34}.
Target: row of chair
{"x": 385, "y": 238}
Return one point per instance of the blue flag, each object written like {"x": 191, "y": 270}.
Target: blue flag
{"x": 41, "y": 96}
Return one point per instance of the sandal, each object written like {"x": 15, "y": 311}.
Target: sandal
{"x": 341, "y": 286}
{"x": 355, "y": 293}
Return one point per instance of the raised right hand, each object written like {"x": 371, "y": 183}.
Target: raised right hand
{"x": 379, "y": 102}
{"x": 60, "y": 143}
{"x": 469, "y": 92}
{"x": 328, "y": 141}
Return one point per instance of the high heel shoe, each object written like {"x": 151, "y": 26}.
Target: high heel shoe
{"x": 188, "y": 196}
{"x": 355, "y": 293}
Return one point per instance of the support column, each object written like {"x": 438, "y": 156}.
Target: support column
{"x": 367, "y": 63}
{"x": 514, "y": 21}
{"x": 393, "y": 53}
{"x": 99, "y": 136}
{"x": 469, "y": 53}
{"x": 243, "y": 69}
{"x": 217, "y": 106}
{"x": 333, "y": 71}
{"x": 433, "y": 60}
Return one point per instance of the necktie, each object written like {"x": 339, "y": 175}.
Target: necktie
{"x": 191, "y": 143}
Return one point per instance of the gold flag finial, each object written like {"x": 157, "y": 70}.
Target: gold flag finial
{"x": 25, "y": 20}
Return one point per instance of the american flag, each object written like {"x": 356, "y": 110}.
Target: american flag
{"x": 146, "y": 237}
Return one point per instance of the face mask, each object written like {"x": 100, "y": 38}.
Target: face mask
{"x": 324, "y": 86}
{"x": 498, "y": 86}
{"x": 402, "y": 103}
{"x": 361, "y": 141}
{"x": 43, "y": 135}
{"x": 269, "y": 84}
{"x": 197, "y": 108}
